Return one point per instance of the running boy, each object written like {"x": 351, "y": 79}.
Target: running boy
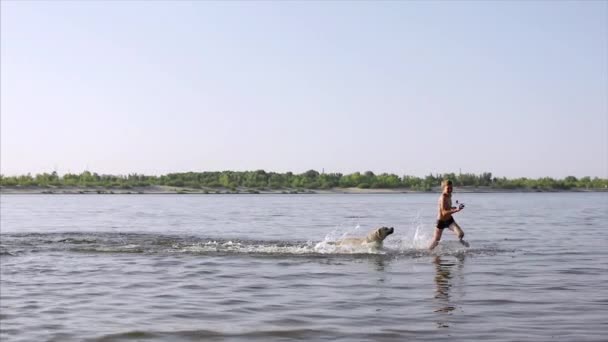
{"x": 444, "y": 217}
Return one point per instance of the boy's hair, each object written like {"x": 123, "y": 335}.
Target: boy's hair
{"x": 445, "y": 183}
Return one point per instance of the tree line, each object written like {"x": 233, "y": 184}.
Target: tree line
{"x": 310, "y": 179}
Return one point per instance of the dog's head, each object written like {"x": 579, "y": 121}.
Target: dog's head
{"x": 378, "y": 235}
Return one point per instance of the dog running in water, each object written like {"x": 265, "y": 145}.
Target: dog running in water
{"x": 375, "y": 237}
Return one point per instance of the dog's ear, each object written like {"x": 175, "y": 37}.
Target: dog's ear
{"x": 378, "y": 234}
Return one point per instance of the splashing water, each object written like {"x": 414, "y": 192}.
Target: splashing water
{"x": 410, "y": 239}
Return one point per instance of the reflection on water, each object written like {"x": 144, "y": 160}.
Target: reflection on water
{"x": 444, "y": 274}
{"x": 379, "y": 262}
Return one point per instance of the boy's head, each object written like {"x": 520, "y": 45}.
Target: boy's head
{"x": 446, "y": 185}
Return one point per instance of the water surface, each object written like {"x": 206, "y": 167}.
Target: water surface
{"x": 264, "y": 267}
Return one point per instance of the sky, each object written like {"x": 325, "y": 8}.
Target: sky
{"x": 515, "y": 88}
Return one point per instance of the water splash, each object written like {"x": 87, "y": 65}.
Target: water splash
{"x": 410, "y": 240}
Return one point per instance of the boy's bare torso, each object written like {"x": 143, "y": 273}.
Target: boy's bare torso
{"x": 445, "y": 204}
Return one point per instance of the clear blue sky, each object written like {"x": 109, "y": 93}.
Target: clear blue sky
{"x": 519, "y": 89}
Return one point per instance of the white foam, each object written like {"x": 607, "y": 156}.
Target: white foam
{"x": 238, "y": 247}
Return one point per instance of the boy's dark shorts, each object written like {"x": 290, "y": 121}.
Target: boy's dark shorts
{"x": 441, "y": 224}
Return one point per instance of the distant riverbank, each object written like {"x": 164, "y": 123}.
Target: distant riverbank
{"x": 262, "y": 182}
{"x": 160, "y": 189}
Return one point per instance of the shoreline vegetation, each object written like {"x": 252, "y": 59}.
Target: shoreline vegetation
{"x": 262, "y": 182}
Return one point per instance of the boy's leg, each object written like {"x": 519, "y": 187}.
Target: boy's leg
{"x": 436, "y": 238}
{"x": 459, "y": 232}
{"x": 456, "y": 229}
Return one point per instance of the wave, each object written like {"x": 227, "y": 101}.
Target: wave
{"x": 16, "y": 244}
{"x": 255, "y": 335}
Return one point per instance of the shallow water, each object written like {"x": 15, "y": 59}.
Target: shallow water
{"x": 265, "y": 267}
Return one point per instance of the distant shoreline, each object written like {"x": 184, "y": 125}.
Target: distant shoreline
{"x": 164, "y": 190}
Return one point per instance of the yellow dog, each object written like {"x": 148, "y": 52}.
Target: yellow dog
{"x": 375, "y": 237}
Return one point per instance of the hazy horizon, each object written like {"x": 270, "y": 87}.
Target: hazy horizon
{"x": 518, "y": 89}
